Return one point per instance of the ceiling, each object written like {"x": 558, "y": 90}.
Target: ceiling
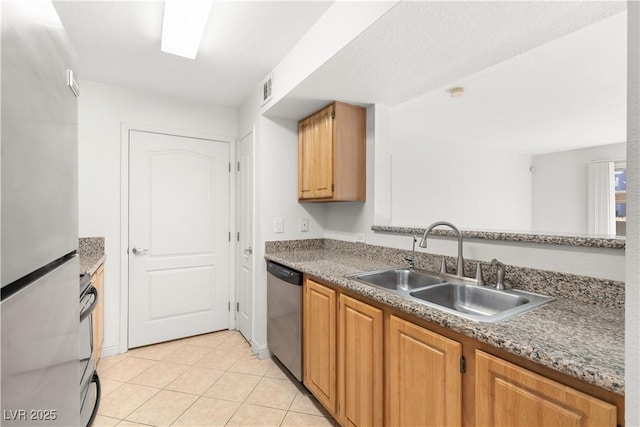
{"x": 418, "y": 46}
{"x": 567, "y": 94}
{"x": 539, "y": 72}
{"x": 539, "y": 76}
{"x": 118, "y": 42}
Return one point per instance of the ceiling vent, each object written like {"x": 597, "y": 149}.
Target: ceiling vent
{"x": 267, "y": 86}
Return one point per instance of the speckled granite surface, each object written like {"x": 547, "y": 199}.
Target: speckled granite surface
{"x": 590, "y": 290}
{"x": 550, "y": 239}
{"x": 91, "y": 251}
{"x": 583, "y": 340}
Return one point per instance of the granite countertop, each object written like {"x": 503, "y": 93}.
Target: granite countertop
{"x": 583, "y": 340}
{"x": 91, "y": 252}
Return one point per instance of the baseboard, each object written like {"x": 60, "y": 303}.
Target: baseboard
{"x": 261, "y": 350}
{"x": 110, "y": 350}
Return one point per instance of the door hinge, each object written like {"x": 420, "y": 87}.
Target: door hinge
{"x": 229, "y": 236}
{"x": 333, "y": 114}
{"x": 332, "y": 187}
{"x": 238, "y": 236}
{"x": 238, "y": 166}
{"x": 463, "y": 365}
{"x": 228, "y": 305}
{"x": 237, "y": 306}
{"x": 229, "y": 167}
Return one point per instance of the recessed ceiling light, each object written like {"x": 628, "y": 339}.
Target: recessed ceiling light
{"x": 456, "y": 91}
{"x": 183, "y": 26}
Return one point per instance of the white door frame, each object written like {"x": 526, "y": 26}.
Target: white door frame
{"x": 125, "y": 128}
{"x": 236, "y": 282}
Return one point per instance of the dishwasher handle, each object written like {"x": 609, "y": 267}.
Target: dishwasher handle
{"x": 284, "y": 273}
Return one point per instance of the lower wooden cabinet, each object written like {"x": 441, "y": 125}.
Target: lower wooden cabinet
{"x": 508, "y": 395}
{"x": 360, "y": 361}
{"x": 98, "y": 314}
{"x": 369, "y": 367}
{"x": 319, "y": 343}
{"x": 423, "y": 377}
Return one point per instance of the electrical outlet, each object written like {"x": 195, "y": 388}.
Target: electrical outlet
{"x": 304, "y": 224}
{"x": 278, "y": 225}
{"x": 359, "y": 237}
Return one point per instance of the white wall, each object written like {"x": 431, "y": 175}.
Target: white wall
{"x": 632, "y": 288}
{"x": 346, "y": 221}
{"x": 275, "y": 196}
{"x": 101, "y": 111}
{"x": 560, "y": 187}
{"x": 475, "y": 188}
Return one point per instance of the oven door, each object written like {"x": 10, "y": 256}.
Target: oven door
{"x": 88, "y": 303}
{"x": 89, "y": 381}
{"x": 91, "y": 400}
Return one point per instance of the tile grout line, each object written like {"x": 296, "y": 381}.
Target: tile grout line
{"x": 231, "y": 347}
{"x": 142, "y": 404}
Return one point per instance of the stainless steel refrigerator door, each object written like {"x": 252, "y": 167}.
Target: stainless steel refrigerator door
{"x": 284, "y": 323}
{"x": 40, "y": 347}
{"x": 39, "y": 143}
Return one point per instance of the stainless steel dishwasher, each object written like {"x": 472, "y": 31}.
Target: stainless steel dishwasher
{"x": 284, "y": 316}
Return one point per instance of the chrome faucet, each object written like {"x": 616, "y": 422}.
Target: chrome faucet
{"x": 460, "y": 263}
{"x": 499, "y": 274}
{"x": 411, "y": 261}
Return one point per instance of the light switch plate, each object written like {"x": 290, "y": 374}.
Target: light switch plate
{"x": 304, "y": 224}
{"x": 278, "y": 225}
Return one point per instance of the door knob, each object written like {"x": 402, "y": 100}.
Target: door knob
{"x": 248, "y": 251}
{"x": 138, "y": 251}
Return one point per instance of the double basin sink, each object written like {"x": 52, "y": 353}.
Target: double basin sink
{"x": 453, "y": 294}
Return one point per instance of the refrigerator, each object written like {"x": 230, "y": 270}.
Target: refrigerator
{"x": 39, "y": 270}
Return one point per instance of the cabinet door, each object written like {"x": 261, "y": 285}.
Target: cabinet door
{"x": 424, "y": 379}
{"x": 315, "y": 155}
{"x": 98, "y": 314}
{"x": 508, "y": 395}
{"x": 305, "y": 159}
{"x": 319, "y": 313}
{"x": 360, "y": 363}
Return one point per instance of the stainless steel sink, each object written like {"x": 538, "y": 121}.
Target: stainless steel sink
{"x": 470, "y": 299}
{"x": 455, "y": 295}
{"x": 398, "y": 278}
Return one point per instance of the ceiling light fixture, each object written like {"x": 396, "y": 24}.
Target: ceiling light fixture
{"x": 183, "y": 26}
{"x": 456, "y": 91}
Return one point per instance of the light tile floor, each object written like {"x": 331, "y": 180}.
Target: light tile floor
{"x": 206, "y": 380}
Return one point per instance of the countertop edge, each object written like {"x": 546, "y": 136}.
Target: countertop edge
{"x": 97, "y": 265}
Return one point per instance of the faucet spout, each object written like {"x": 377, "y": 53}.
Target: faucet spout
{"x": 423, "y": 243}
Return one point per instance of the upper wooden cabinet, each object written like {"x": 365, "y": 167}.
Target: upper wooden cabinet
{"x": 331, "y": 154}
{"x": 508, "y": 395}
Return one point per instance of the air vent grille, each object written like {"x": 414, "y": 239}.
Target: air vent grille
{"x": 267, "y": 87}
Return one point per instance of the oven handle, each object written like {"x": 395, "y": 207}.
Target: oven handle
{"x": 95, "y": 379}
{"x": 88, "y": 311}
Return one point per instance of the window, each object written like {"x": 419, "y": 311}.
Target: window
{"x": 620, "y": 176}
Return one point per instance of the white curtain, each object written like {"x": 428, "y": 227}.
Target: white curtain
{"x": 601, "y": 214}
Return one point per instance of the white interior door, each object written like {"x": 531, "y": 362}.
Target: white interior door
{"x": 245, "y": 257}
{"x": 178, "y": 237}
